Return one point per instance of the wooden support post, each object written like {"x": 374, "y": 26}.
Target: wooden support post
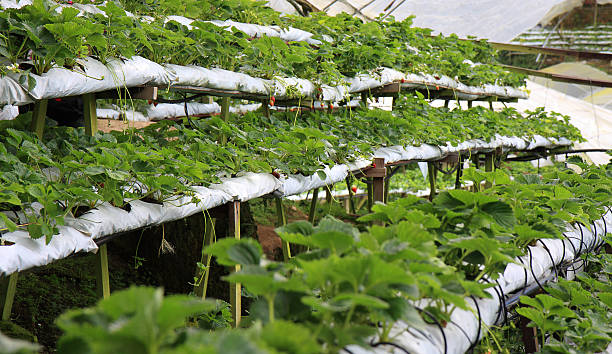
{"x": 362, "y": 202}
{"x": 225, "y": 103}
{"x": 378, "y": 175}
{"x": 313, "y": 206}
{"x": 235, "y": 288}
{"x": 431, "y": 175}
{"x": 282, "y": 221}
{"x": 491, "y": 105}
{"x": 364, "y": 98}
{"x": 370, "y": 193}
{"x": 266, "y": 108}
{"x": 489, "y": 165}
{"x": 328, "y": 194}
{"x": 351, "y": 201}
{"x": 469, "y": 104}
{"x": 530, "y": 336}
{"x": 459, "y": 173}
{"x": 201, "y": 286}
{"x": 446, "y": 102}
{"x": 102, "y": 278}
{"x": 8, "y": 288}
{"x": 387, "y": 185}
{"x": 38, "y": 118}
{"x": 90, "y": 118}
{"x": 475, "y": 160}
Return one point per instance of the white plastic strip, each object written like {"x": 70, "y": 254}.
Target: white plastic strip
{"x": 464, "y": 328}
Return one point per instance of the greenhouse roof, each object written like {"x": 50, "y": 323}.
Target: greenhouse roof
{"x": 499, "y": 21}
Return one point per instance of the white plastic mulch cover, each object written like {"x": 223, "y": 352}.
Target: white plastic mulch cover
{"x": 498, "y": 21}
{"x": 466, "y": 327}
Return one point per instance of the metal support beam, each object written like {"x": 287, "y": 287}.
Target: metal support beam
{"x": 102, "y": 276}
{"x": 90, "y": 117}
{"x": 282, "y": 221}
{"x": 8, "y": 288}
{"x": 202, "y": 275}
{"x": 235, "y": 288}
{"x": 38, "y": 117}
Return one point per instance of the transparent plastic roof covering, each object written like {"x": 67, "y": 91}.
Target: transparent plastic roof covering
{"x": 495, "y": 20}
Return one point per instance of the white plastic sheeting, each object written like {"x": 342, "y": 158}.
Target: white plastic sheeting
{"x": 296, "y": 184}
{"x": 9, "y": 112}
{"x": 170, "y": 110}
{"x": 94, "y": 77}
{"x": 79, "y": 233}
{"x": 467, "y": 327}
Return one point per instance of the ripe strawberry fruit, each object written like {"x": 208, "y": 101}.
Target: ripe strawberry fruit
{"x": 275, "y": 174}
{"x": 354, "y": 189}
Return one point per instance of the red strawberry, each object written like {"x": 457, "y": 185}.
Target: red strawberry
{"x": 275, "y": 174}
{"x": 58, "y": 100}
{"x": 374, "y": 165}
{"x": 331, "y": 106}
{"x": 69, "y": 2}
{"x": 437, "y": 77}
{"x": 354, "y": 189}
{"x": 155, "y": 103}
{"x": 402, "y": 81}
{"x": 150, "y": 101}
{"x": 437, "y": 87}
{"x": 322, "y": 104}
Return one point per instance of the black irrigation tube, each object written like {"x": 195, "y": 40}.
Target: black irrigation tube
{"x": 181, "y": 100}
{"x": 533, "y": 273}
{"x": 545, "y": 154}
{"x": 473, "y": 344}
{"x": 437, "y": 324}
{"x": 397, "y": 346}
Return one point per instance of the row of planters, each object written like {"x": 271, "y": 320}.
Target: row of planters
{"x": 411, "y": 260}
{"x": 37, "y": 37}
{"x": 68, "y": 172}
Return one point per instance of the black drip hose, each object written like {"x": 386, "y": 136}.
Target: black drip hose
{"x": 503, "y": 300}
{"x": 184, "y": 99}
{"x": 525, "y": 270}
{"x": 437, "y": 324}
{"x": 552, "y": 261}
{"x": 348, "y": 351}
{"x": 447, "y": 172}
{"x": 533, "y": 273}
{"x": 473, "y": 344}
{"x": 397, "y": 346}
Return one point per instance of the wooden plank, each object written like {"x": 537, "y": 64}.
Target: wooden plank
{"x": 201, "y": 287}
{"x": 560, "y": 77}
{"x": 235, "y": 289}
{"x": 313, "y": 206}
{"x": 489, "y": 165}
{"x": 431, "y": 175}
{"x": 378, "y": 181}
{"x": 530, "y": 49}
{"x": 102, "y": 276}
{"x": 38, "y": 117}
{"x": 529, "y": 335}
{"x": 282, "y": 221}
{"x": 8, "y": 288}
{"x": 90, "y": 117}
